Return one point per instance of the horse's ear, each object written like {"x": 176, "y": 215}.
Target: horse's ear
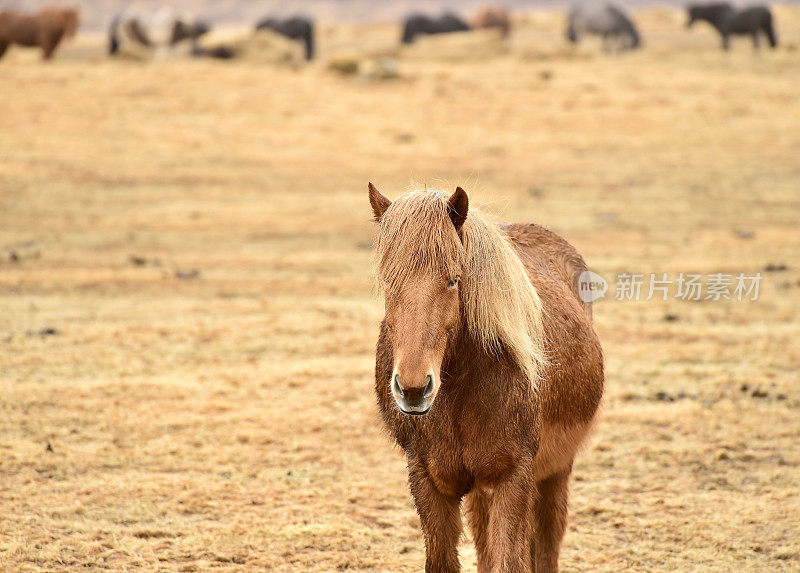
{"x": 457, "y": 207}
{"x": 379, "y": 203}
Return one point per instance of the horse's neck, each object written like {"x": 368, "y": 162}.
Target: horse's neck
{"x": 469, "y": 362}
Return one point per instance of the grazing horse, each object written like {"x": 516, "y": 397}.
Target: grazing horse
{"x": 296, "y": 28}
{"x": 161, "y": 31}
{"x": 729, "y": 21}
{"x": 607, "y": 21}
{"x": 492, "y": 17}
{"x": 417, "y": 24}
{"x": 488, "y": 374}
{"x": 45, "y": 29}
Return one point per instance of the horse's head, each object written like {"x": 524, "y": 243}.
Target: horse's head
{"x": 419, "y": 262}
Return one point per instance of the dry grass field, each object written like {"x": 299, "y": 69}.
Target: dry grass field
{"x": 187, "y": 322}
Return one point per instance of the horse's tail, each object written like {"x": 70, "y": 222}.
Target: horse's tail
{"x": 575, "y": 267}
{"x": 113, "y": 36}
{"x": 571, "y": 266}
{"x": 769, "y": 30}
{"x": 409, "y": 31}
{"x": 636, "y": 39}
{"x": 572, "y": 34}
{"x": 309, "y": 40}
{"x": 572, "y": 30}
{"x": 626, "y": 25}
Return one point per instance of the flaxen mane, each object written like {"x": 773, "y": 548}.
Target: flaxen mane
{"x": 500, "y": 305}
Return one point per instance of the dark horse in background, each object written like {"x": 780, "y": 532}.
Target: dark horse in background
{"x": 295, "y": 28}
{"x": 46, "y": 28}
{"x": 417, "y": 24}
{"x": 604, "y": 20}
{"x": 730, "y": 21}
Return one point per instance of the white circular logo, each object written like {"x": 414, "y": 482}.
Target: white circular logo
{"x": 591, "y": 286}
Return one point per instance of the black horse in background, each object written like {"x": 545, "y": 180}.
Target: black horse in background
{"x": 730, "y": 21}
{"x": 417, "y": 24}
{"x": 295, "y": 28}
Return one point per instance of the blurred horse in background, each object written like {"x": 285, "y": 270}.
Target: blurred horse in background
{"x": 492, "y": 17}
{"x": 295, "y": 28}
{"x": 607, "y": 21}
{"x": 159, "y": 32}
{"x": 45, "y": 29}
{"x": 417, "y": 24}
{"x": 729, "y": 21}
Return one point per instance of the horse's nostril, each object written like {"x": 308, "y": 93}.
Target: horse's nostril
{"x": 397, "y": 387}
{"x": 429, "y": 386}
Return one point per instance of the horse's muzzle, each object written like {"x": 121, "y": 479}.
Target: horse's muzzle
{"x": 414, "y": 401}
{"x": 416, "y": 412}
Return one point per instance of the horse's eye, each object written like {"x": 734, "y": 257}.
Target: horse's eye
{"x": 453, "y": 282}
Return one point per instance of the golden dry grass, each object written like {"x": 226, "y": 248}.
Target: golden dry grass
{"x": 226, "y": 421}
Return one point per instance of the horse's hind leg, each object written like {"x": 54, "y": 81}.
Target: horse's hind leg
{"x": 550, "y": 521}
{"x": 756, "y": 44}
{"x": 477, "y": 506}
{"x": 3, "y": 48}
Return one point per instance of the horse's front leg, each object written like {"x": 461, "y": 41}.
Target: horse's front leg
{"x": 440, "y": 518}
{"x": 49, "y": 44}
{"x": 510, "y": 531}
{"x": 477, "y": 504}
{"x": 756, "y": 43}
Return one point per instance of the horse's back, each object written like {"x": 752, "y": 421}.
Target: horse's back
{"x": 593, "y": 17}
{"x": 601, "y": 19}
{"x": 492, "y": 17}
{"x": 296, "y": 27}
{"x": 455, "y": 23}
{"x": 22, "y": 29}
{"x": 547, "y": 247}
{"x": 749, "y": 19}
{"x": 572, "y": 383}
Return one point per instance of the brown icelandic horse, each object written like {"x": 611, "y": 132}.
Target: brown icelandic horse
{"x": 46, "y": 28}
{"x": 492, "y": 17}
{"x": 488, "y": 374}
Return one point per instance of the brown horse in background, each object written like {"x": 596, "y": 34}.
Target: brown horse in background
{"x": 46, "y": 28}
{"x": 492, "y": 17}
{"x": 488, "y": 374}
